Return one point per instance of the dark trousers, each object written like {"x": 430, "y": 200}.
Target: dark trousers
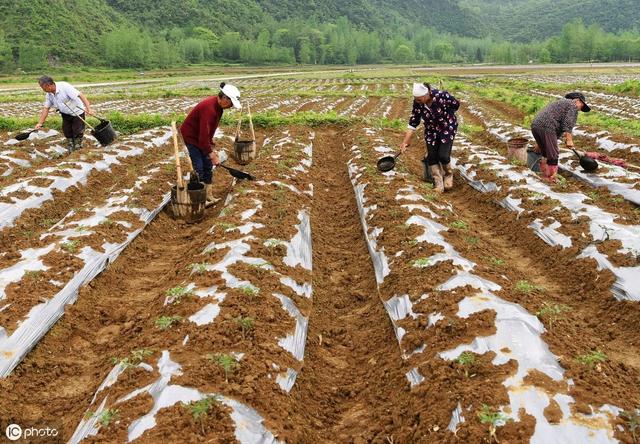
{"x": 72, "y": 126}
{"x": 548, "y": 143}
{"x": 202, "y": 164}
{"x": 439, "y": 153}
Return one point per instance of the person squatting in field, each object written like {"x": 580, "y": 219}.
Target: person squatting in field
{"x": 437, "y": 109}
{"x": 556, "y": 119}
{"x": 71, "y": 104}
{"x": 198, "y": 130}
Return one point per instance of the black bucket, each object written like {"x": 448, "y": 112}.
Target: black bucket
{"x": 193, "y": 211}
{"x": 104, "y": 133}
{"x": 387, "y": 163}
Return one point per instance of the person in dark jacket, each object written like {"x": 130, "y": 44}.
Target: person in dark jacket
{"x": 198, "y": 130}
{"x": 437, "y": 109}
{"x": 555, "y": 120}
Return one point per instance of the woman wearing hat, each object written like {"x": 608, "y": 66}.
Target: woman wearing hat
{"x": 198, "y": 129}
{"x": 556, "y": 119}
{"x": 437, "y": 110}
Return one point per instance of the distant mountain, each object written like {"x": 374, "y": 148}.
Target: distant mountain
{"x": 527, "y": 20}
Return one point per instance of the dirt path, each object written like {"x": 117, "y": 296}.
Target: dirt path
{"x": 349, "y": 388}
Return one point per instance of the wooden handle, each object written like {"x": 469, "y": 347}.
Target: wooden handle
{"x": 253, "y": 134}
{"x": 176, "y": 151}
{"x": 239, "y": 123}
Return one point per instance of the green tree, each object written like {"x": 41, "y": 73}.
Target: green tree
{"x": 230, "y": 46}
{"x": 6, "y": 57}
{"x": 31, "y": 58}
{"x": 193, "y": 50}
{"x": 402, "y": 54}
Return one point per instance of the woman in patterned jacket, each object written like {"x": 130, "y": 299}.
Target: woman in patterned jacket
{"x": 437, "y": 110}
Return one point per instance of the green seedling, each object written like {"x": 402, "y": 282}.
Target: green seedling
{"x": 47, "y": 223}
{"x": 107, "y": 222}
{"x": 70, "y": 246}
{"x": 422, "y": 262}
{"x": 225, "y": 211}
{"x": 410, "y": 242}
{"x": 246, "y": 325}
{"x": 249, "y": 290}
{"x": 226, "y": 226}
{"x": 617, "y": 200}
{"x": 28, "y": 234}
{"x": 82, "y": 228}
{"x": 459, "y": 225}
{"x": 632, "y": 419}
{"x": 594, "y": 195}
{"x": 526, "y": 288}
{"x": 200, "y": 268}
{"x": 137, "y": 356}
{"x": 516, "y": 162}
{"x": 228, "y": 363}
{"x": 466, "y": 360}
{"x": 496, "y": 261}
{"x": 200, "y": 409}
{"x": 176, "y": 294}
{"x": 33, "y": 274}
{"x": 492, "y": 417}
{"x": 272, "y": 243}
{"x": 263, "y": 264}
{"x": 592, "y": 359}
{"x": 552, "y": 313}
{"x": 165, "y": 322}
{"x": 107, "y": 416}
{"x": 281, "y": 213}
{"x": 472, "y": 240}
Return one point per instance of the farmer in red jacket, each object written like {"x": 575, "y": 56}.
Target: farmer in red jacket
{"x": 198, "y": 129}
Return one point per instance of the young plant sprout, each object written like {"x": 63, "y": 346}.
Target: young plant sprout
{"x": 228, "y": 363}
{"x": 552, "y": 312}
{"x": 200, "y": 409}
{"x": 492, "y": 417}
{"x": 107, "y": 416}
{"x": 176, "y": 294}
{"x": 165, "y": 322}
{"x": 70, "y": 246}
{"x": 422, "y": 262}
{"x": 199, "y": 268}
{"x": 249, "y": 290}
{"x": 526, "y": 287}
{"x": 137, "y": 357}
{"x": 592, "y": 359}
{"x": 459, "y": 225}
{"x": 466, "y": 360}
{"x": 246, "y": 325}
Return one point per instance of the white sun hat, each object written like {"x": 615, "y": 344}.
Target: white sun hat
{"x": 233, "y": 93}
{"x": 419, "y": 90}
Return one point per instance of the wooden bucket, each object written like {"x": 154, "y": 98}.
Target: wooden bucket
{"x": 244, "y": 151}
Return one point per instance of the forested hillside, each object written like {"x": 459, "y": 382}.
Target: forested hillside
{"x": 35, "y": 34}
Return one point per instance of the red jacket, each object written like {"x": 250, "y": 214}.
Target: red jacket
{"x": 201, "y": 123}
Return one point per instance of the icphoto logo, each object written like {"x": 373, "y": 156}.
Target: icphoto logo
{"x": 13, "y": 432}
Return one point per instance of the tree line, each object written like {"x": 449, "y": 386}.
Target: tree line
{"x": 291, "y": 42}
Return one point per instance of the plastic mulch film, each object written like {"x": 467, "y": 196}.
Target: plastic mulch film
{"x": 234, "y": 250}
{"x": 78, "y": 172}
{"x": 602, "y": 224}
{"x": 41, "y": 317}
{"x": 517, "y": 337}
{"x": 248, "y": 423}
{"x": 616, "y": 179}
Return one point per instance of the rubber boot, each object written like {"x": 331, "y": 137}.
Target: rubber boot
{"x": 78, "y": 142}
{"x": 448, "y": 176}
{"x": 543, "y": 167}
{"x": 70, "y": 145}
{"x": 211, "y": 200}
{"x": 426, "y": 172}
{"x": 436, "y": 172}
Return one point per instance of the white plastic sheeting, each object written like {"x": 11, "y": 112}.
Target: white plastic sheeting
{"x": 604, "y": 177}
{"x": 517, "y": 337}
{"x": 602, "y": 224}
{"x": 41, "y": 317}
{"x": 78, "y": 171}
{"x": 248, "y": 423}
